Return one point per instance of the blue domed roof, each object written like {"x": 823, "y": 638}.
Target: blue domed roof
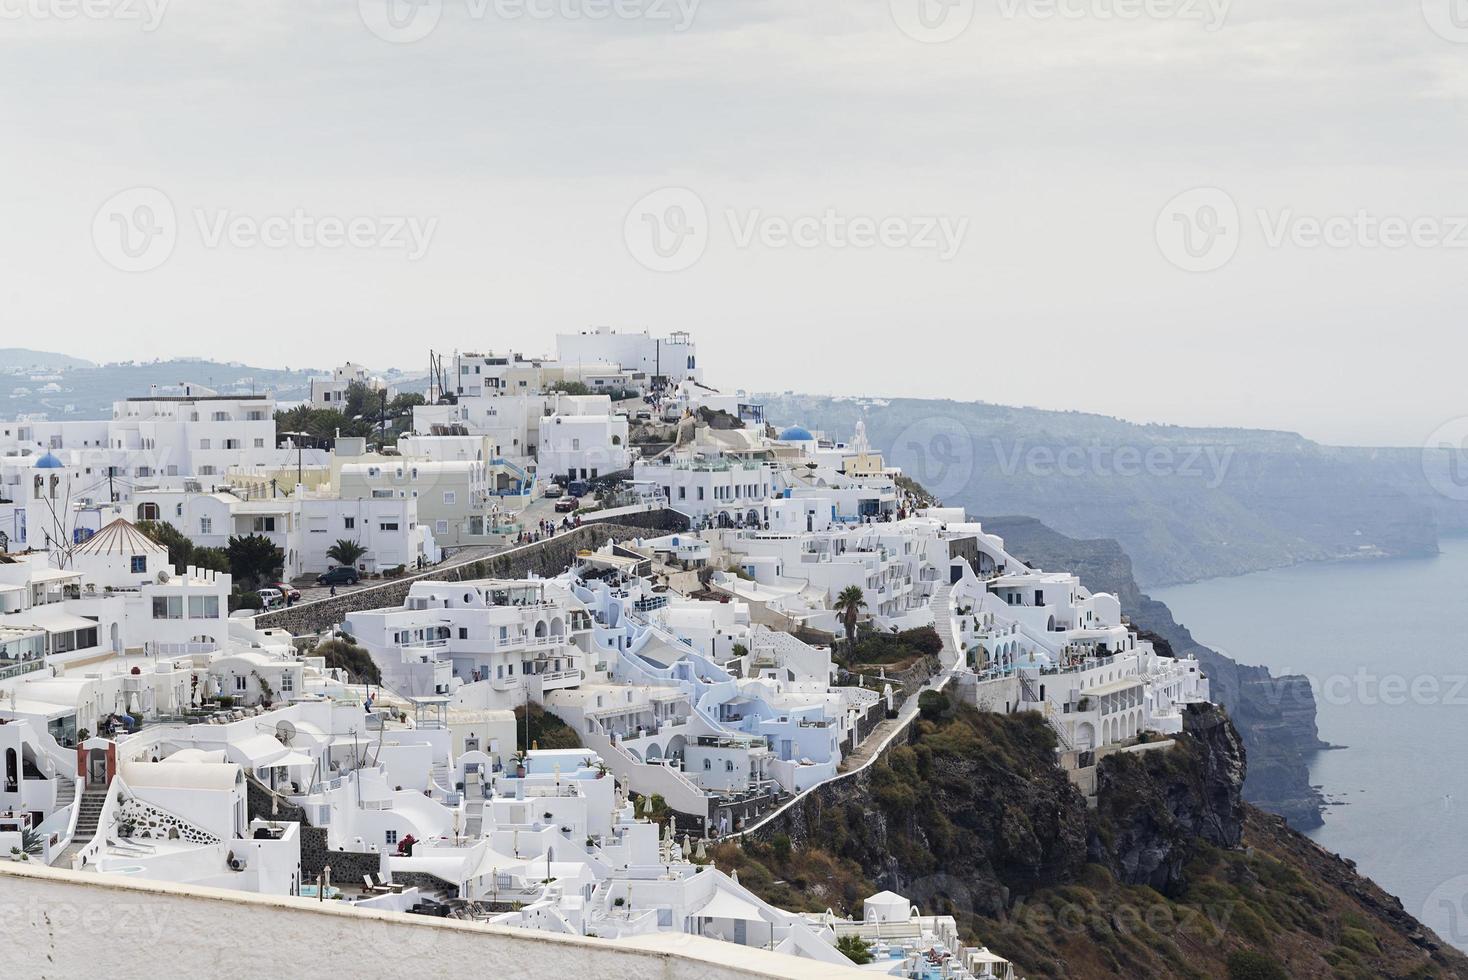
{"x": 49, "y": 462}
{"x": 797, "y": 433}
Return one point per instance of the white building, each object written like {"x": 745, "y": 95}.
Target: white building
{"x": 582, "y": 447}
{"x": 332, "y": 392}
{"x": 668, "y": 360}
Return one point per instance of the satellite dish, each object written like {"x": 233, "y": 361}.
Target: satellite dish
{"x": 285, "y": 732}
{"x": 163, "y": 576}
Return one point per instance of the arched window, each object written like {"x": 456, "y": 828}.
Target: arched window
{"x": 148, "y": 511}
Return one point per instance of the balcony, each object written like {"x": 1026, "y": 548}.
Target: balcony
{"x": 9, "y": 670}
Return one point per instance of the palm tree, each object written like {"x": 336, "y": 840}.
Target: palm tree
{"x": 346, "y": 552}
{"x": 849, "y": 604}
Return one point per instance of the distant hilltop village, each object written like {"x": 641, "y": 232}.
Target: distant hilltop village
{"x": 521, "y": 651}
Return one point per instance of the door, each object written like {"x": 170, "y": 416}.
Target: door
{"x": 97, "y": 767}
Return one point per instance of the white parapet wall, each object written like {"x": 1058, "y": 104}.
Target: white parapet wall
{"x": 81, "y": 924}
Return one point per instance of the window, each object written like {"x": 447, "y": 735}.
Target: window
{"x": 449, "y": 497}
{"x": 287, "y": 682}
{"x": 264, "y": 525}
{"x": 206, "y": 525}
{"x": 708, "y": 765}
{"x": 463, "y": 633}
{"x": 440, "y": 527}
{"x": 349, "y": 522}
{"x": 231, "y": 444}
{"x": 259, "y": 443}
{"x": 203, "y": 607}
{"x": 168, "y": 607}
{"x": 203, "y": 443}
{"x": 729, "y": 765}
{"x": 140, "y": 564}
{"x": 388, "y": 526}
{"x": 240, "y": 682}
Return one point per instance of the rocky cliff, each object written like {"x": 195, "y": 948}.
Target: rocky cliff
{"x": 1170, "y": 875}
{"x": 1274, "y": 715}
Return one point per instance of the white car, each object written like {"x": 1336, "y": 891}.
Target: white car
{"x": 271, "y": 598}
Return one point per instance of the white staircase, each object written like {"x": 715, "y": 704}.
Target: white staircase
{"x": 942, "y": 608}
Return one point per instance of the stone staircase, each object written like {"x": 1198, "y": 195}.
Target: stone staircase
{"x": 86, "y": 824}
{"x": 65, "y": 792}
{"x": 91, "y": 811}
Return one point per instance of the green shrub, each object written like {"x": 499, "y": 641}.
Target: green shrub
{"x": 1249, "y": 965}
{"x": 854, "y": 948}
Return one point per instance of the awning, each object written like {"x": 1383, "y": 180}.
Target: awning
{"x": 57, "y": 622}
{"x": 726, "y": 906}
{"x": 258, "y": 750}
{"x": 292, "y": 760}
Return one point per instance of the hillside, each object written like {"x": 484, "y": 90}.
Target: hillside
{"x": 1185, "y": 503}
{"x": 75, "y": 389}
{"x": 24, "y": 359}
{"x": 1172, "y": 875}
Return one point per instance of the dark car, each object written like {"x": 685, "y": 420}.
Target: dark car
{"x": 340, "y": 575}
{"x": 567, "y": 504}
{"x": 291, "y": 593}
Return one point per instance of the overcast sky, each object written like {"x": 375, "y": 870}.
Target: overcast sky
{"x": 1189, "y": 211}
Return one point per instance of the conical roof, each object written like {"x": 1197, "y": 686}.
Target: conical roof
{"x": 120, "y": 538}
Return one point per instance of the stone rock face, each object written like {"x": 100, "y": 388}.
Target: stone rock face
{"x": 974, "y": 827}
{"x": 1275, "y": 716}
{"x": 1153, "y": 808}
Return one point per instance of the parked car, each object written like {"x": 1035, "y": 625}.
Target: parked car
{"x": 340, "y": 575}
{"x": 567, "y": 505}
{"x": 553, "y": 491}
{"x": 270, "y": 598}
{"x": 291, "y": 593}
